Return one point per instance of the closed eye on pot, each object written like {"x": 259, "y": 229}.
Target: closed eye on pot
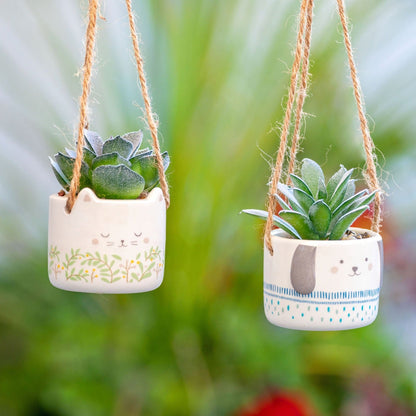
{"x": 138, "y": 235}
{"x": 104, "y": 235}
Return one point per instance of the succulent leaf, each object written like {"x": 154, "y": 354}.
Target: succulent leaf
{"x": 166, "y": 160}
{"x": 123, "y": 147}
{"x": 304, "y": 199}
{"x": 340, "y": 190}
{"x": 135, "y": 138}
{"x": 109, "y": 159}
{"x": 93, "y": 141}
{"x": 99, "y": 160}
{"x": 334, "y": 181}
{"x": 322, "y": 194}
{"x": 287, "y": 192}
{"x": 285, "y": 226}
{"x": 66, "y": 164}
{"x": 350, "y": 189}
{"x": 281, "y": 202}
{"x": 70, "y": 152}
{"x": 117, "y": 182}
{"x": 311, "y": 173}
{"x": 60, "y": 176}
{"x": 345, "y": 221}
{"x": 320, "y": 215}
{"x": 301, "y": 223}
{"x": 300, "y": 183}
{"x": 88, "y": 156}
{"x": 348, "y": 203}
{"x": 315, "y": 210}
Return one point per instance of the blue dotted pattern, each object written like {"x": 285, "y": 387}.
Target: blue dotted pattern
{"x": 318, "y": 312}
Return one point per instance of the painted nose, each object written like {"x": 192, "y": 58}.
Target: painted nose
{"x": 122, "y": 241}
{"x": 354, "y": 269}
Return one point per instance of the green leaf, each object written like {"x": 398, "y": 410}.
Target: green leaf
{"x": 281, "y": 202}
{"x": 287, "y": 192}
{"x": 301, "y": 223}
{"x": 345, "y": 221}
{"x": 88, "y": 156}
{"x": 304, "y": 199}
{"x": 60, "y": 176}
{"x": 276, "y": 220}
{"x": 348, "y": 203}
{"x": 320, "y": 215}
{"x": 334, "y": 181}
{"x": 135, "y": 138}
{"x": 123, "y": 147}
{"x": 300, "y": 183}
{"x": 322, "y": 190}
{"x": 67, "y": 165}
{"x": 109, "y": 159}
{"x": 117, "y": 257}
{"x": 144, "y": 152}
{"x": 93, "y": 142}
{"x": 105, "y": 280}
{"x": 166, "y": 160}
{"x": 117, "y": 182}
{"x": 340, "y": 190}
{"x": 311, "y": 173}
{"x": 146, "y": 167}
{"x": 350, "y": 189}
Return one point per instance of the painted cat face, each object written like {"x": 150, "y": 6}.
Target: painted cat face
{"x": 119, "y": 240}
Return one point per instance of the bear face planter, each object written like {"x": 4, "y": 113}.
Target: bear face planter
{"x": 107, "y": 246}
{"x": 322, "y": 285}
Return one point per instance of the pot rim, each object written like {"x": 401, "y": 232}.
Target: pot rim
{"x": 152, "y": 195}
{"x": 279, "y": 235}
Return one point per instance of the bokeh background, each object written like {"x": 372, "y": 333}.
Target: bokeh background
{"x": 200, "y": 345}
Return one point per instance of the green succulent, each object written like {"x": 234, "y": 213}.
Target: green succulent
{"x": 316, "y": 210}
{"x": 114, "y": 169}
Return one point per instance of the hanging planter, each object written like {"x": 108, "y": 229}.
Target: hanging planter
{"x": 107, "y": 227}
{"x": 319, "y": 273}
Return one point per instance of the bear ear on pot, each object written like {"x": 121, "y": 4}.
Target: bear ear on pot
{"x": 302, "y": 272}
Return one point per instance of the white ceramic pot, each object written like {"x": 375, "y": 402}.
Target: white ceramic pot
{"x": 107, "y": 246}
{"x": 322, "y": 285}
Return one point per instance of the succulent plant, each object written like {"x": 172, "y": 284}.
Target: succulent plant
{"x": 114, "y": 169}
{"x": 315, "y": 210}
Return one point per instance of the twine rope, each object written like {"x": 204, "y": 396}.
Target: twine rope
{"x": 286, "y": 125}
{"x": 86, "y": 87}
{"x": 146, "y": 98}
{"x": 371, "y": 176}
{"x": 300, "y": 92}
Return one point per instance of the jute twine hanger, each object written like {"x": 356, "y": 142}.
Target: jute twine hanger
{"x": 297, "y": 92}
{"x": 86, "y": 87}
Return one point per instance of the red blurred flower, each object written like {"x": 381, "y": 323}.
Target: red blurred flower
{"x": 278, "y": 404}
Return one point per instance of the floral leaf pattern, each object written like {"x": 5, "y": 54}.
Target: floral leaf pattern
{"x": 88, "y": 267}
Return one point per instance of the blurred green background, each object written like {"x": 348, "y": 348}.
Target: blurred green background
{"x": 218, "y": 73}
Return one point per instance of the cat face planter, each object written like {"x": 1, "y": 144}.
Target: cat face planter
{"x": 107, "y": 246}
{"x": 322, "y": 285}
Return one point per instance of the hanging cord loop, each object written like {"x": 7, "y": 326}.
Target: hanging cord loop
{"x": 86, "y": 86}
{"x": 306, "y": 8}
{"x": 371, "y": 173}
{"x": 298, "y": 91}
{"x": 150, "y": 118}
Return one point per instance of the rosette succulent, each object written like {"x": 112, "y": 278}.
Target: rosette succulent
{"x": 315, "y": 210}
{"x": 114, "y": 169}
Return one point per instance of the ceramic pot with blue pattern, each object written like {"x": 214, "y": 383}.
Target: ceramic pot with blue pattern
{"x": 323, "y": 285}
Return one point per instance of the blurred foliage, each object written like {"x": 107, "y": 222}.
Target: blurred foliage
{"x": 199, "y": 345}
